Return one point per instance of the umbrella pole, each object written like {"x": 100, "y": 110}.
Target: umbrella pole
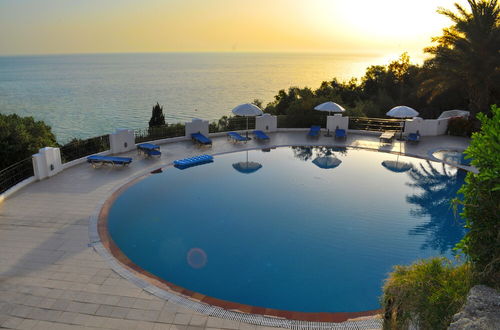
{"x": 328, "y": 129}
{"x": 402, "y": 129}
{"x": 247, "y": 134}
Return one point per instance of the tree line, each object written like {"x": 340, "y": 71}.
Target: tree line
{"x": 462, "y": 72}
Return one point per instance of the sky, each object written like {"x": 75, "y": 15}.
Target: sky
{"x": 111, "y": 26}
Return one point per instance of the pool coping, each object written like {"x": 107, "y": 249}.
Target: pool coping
{"x": 119, "y": 262}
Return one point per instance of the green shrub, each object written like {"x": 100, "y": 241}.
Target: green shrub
{"x": 481, "y": 201}
{"x": 21, "y": 137}
{"x": 460, "y": 126}
{"x": 427, "y": 293}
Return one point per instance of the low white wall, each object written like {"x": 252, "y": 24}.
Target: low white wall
{"x": 196, "y": 125}
{"x": 122, "y": 140}
{"x": 266, "y": 123}
{"x": 426, "y": 127}
{"x": 337, "y": 120}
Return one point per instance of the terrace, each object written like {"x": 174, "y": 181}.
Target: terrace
{"x": 50, "y": 274}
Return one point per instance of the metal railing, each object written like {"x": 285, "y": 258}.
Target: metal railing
{"x": 75, "y": 149}
{"x": 375, "y": 124}
{"x": 227, "y": 124}
{"x": 15, "y": 173}
{"x": 159, "y": 132}
{"x": 81, "y": 148}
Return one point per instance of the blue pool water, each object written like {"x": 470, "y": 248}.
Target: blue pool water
{"x": 289, "y": 235}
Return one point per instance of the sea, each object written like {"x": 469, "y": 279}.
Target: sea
{"x": 93, "y": 94}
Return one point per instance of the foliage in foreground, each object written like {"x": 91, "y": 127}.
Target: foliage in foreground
{"x": 481, "y": 201}
{"x": 21, "y": 137}
{"x": 427, "y": 293}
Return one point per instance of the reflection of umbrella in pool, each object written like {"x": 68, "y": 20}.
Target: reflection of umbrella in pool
{"x": 327, "y": 162}
{"x": 397, "y": 166}
{"x": 247, "y": 167}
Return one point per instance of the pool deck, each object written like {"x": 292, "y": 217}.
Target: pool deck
{"x": 52, "y": 278}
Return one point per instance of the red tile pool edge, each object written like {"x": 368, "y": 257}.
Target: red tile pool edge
{"x": 109, "y": 244}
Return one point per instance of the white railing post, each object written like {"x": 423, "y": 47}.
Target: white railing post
{"x": 122, "y": 140}
{"x": 337, "y": 121}
{"x": 196, "y": 126}
{"x": 47, "y": 162}
{"x": 266, "y": 123}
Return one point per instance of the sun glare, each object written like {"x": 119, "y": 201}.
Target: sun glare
{"x": 393, "y": 18}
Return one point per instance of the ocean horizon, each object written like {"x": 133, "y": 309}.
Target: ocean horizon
{"x": 85, "y": 95}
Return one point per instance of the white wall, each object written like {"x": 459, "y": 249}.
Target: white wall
{"x": 337, "y": 120}
{"x": 122, "y": 140}
{"x": 427, "y": 127}
{"x": 266, "y": 123}
{"x": 197, "y": 125}
{"x": 47, "y": 162}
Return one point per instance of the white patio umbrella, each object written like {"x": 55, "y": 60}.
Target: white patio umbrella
{"x": 247, "y": 110}
{"x": 454, "y": 113}
{"x": 402, "y": 111}
{"x": 329, "y": 107}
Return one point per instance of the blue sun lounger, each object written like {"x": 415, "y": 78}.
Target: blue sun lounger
{"x": 413, "y": 137}
{"x": 149, "y": 149}
{"x": 260, "y": 135}
{"x": 236, "y": 137}
{"x": 340, "y": 133}
{"x": 193, "y": 161}
{"x": 96, "y": 160}
{"x": 314, "y": 131}
{"x": 201, "y": 139}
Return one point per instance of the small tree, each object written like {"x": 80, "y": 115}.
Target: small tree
{"x": 157, "y": 117}
{"x": 481, "y": 200}
{"x": 21, "y": 137}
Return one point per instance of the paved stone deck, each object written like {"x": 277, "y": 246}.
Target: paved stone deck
{"x": 50, "y": 278}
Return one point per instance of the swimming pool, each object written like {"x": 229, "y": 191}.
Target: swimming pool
{"x": 295, "y": 228}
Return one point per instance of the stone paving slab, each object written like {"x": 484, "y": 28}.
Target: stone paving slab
{"x": 50, "y": 276}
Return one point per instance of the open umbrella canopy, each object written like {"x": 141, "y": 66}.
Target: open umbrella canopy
{"x": 454, "y": 113}
{"x": 247, "y": 110}
{"x": 327, "y": 162}
{"x": 402, "y": 111}
{"x": 396, "y": 166}
{"x": 329, "y": 107}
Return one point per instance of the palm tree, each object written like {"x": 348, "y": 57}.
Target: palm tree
{"x": 467, "y": 55}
